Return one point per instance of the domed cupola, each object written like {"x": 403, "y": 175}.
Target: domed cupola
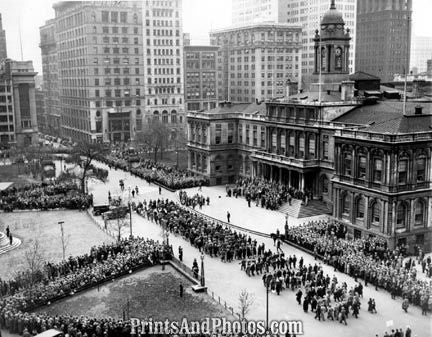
{"x": 332, "y": 43}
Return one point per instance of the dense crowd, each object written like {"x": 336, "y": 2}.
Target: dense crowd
{"x": 44, "y": 196}
{"x": 154, "y": 172}
{"x": 194, "y": 200}
{"x": 209, "y": 237}
{"x": 264, "y": 193}
{"x": 62, "y": 279}
{"x": 368, "y": 259}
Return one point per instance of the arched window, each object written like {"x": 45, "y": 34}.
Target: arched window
{"x": 362, "y": 166}
{"x": 165, "y": 116}
{"x": 347, "y": 161}
{"x": 346, "y": 204}
{"x": 403, "y": 171}
{"x": 312, "y": 146}
{"x": 138, "y": 112}
{"x": 419, "y": 213}
{"x": 360, "y": 208}
{"x": 421, "y": 169}
{"x": 376, "y": 213}
{"x": 401, "y": 213}
{"x": 377, "y": 170}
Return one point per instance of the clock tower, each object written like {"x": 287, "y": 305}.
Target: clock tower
{"x": 332, "y": 44}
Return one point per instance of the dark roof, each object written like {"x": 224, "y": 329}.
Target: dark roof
{"x": 387, "y": 117}
{"x": 313, "y": 96}
{"x": 362, "y": 76}
{"x": 332, "y": 16}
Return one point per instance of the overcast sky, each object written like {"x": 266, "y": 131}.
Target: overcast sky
{"x": 199, "y": 17}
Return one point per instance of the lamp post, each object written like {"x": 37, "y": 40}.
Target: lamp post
{"x": 268, "y": 280}
{"x": 202, "y": 271}
{"x": 130, "y": 211}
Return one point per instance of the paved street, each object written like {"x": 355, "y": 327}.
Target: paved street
{"x": 226, "y": 280}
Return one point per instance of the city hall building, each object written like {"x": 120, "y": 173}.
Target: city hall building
{"x": 354, "y": 144}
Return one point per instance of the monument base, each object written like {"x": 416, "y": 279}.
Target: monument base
{"x": 199, "y": 288}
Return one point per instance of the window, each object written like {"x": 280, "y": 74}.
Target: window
{"x": 401, "y": 215}
{"x": 324, "y": 184}
{"x": 362, "y": 167}
{"x": 360, "y": 208}
{"x": 326, "y": 147}
{"x": 346, "y": 204}
{"x": 402, "y": 171}
{"x": 419, "y": 208}
{"x": 218, "y": 133}
{"x": 376, "y": 213}
{"x": 312, "y": 146}
{"x": 377, "y": 173}
{"x": 301, "y": 146}
{"x": 230, "y": 132}
{"x": 421, "y": 169}
{"x": 347, "y": 161}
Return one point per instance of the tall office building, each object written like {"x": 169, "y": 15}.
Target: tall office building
{"x": 383, "y": 37}
{"x": 163, "y": 61}
{"x": 304, "y": 13}
{"x": 3, "y": 50}
{"x": 52, "y": 112}
{"x": 18, "y": 120}
{"x": 201, "y": 77}
{"x": 257, "y": 61}
{"x": 421, "y": 51}
{"x": 246, "y": 12}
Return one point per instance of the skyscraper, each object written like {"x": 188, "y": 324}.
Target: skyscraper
{"x": 304, "y": 13}
{"x": 383, "y": 37}
{"x": 3, "y": 50}
{"x": 257, "y": 60}
{"x": 421, "y": 51}
{"x": 163, "y": 61}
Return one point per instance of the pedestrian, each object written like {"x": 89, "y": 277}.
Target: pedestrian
{"x": 181, "y": 290}
{"x": 405, "y": 304}
{"x": 181, "y": 254}
{"x": 10, "y": 238}
{"x": 136, "y": 190}
{"x": 228, "y": 216}
{"x": 7, "y": 231}
{"x": 160, "y": 190}
{"x": 133, "y": 193}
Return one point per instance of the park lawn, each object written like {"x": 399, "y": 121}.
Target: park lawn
{"x": 149, "y": 293}
{"x": 31, "y": 226}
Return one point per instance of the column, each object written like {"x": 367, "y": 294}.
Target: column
{"x": 289, "y": 178}
{"x": 271, "y": 172}
{"x": 411, "y": 218}
{"x": 336, "y": 203}
{"x": 352, "y": 208}
{"x": 366, "y": 212}
{"x": 301, "y": 182}
{"x": 280, "y": 175}
{"x": 391, "y": 229}
{"x": 385, "y": 218}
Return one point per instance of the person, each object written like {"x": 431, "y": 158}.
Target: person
{"x": 405, "y": 304}
{"x": 136, "y": 190}
{"x": 7, "y": 231}
{"x": 228, "y": 216}
{"x": 299, "y": 296}
{"x": 133, "y": 193}
{"x": 160, "y": 190}
{"x": 181, "y": 290}
{"x": 10, "y": 238}
{"x": 408, "y": 331}
{"x": 181, "y": 254}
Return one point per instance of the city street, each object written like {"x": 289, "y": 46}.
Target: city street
{"x": 227, "y": 280}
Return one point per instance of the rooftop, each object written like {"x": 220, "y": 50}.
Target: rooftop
{"x": 387, "y": 117}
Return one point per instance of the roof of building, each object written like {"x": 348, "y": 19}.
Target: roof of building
{"x": 258, "y": 25}
{"x": 387, "y": 117}
{"x": 332, "y": 16}
{"x": 247, "y": 108}
{"x": 362, "y": 76}
{"x": 314, "y": 96}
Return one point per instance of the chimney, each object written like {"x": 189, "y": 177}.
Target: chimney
{"x": 347, "y": 90}
{"x": 418, "y": 110}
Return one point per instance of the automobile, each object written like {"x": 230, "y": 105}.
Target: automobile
{"x": 51, "y": 333}
{"x": 99, "y": 209}
{"x": 116, "y": 213}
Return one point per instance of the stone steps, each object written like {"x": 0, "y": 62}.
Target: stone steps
{"x": 6, "y": 247}
{"x": 297, "y": 210}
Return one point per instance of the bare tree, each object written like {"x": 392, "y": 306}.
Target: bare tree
{"x": 84, "y": 154}
{"x": 64, "y": 240}
{"x": 34, "y": 261}
{"x": 246, "y": 301}
{"x": 154, "y": 137}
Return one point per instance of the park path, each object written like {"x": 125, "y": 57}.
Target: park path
{"x": 227, "y": 280}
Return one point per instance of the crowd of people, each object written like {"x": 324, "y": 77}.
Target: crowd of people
{"x": 193, "y": 201}
{"x": 365, "y": 258}
{"x": 62, "y": 279}
{"x": 264, "y": 193}
{"x": 211, "y": 238}
{"x": 153, "y": 172}
{"x": 44, "y": 196}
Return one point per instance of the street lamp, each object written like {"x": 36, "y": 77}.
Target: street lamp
{"x": 130, "y": 212}
{"x": 268, "y": 281}
{"x": 202, "y": 270}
